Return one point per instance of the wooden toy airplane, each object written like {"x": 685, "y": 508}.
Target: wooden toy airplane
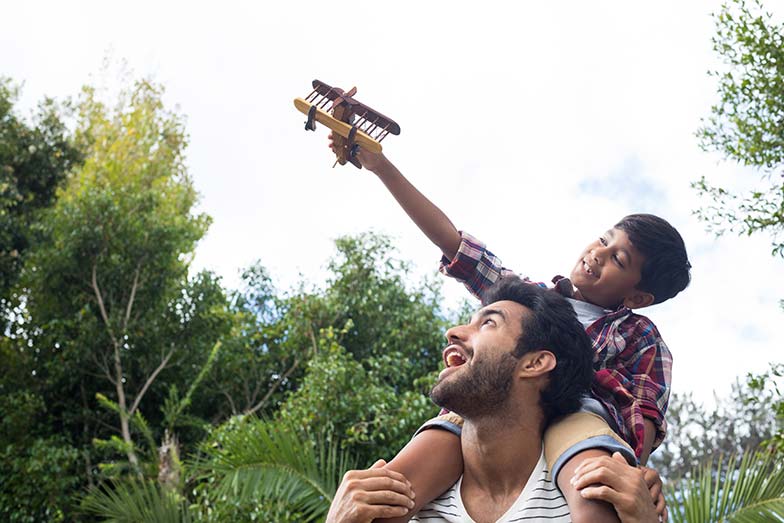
{"x": 353, "y": 124}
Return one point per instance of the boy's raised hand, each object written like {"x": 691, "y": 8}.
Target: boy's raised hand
{"x": 370, "y": 161}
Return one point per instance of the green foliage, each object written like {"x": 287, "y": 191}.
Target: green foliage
{"x": 257, "y": 461}
{"x": 745, "y": 490}
{"x": 747, "y": 124}
{"x": 359, "y": 406}
{"x": 34, "y": 161}
{"x": 39, "y": 476}
{"x": 136, "y": 501}
{"x": 742, "y": 420}
{"x": 767, "y": 393}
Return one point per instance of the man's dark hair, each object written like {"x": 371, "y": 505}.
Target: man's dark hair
{"x": 665, "y": 271}
{"x": 552, "y": 325}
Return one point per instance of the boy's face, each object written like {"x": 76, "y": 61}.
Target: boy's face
{"x": 608, "y": 271}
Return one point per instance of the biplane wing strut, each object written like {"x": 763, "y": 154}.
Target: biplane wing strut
{"x": 353, "y": 123}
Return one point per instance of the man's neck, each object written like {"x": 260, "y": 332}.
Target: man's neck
{"x": 498, "y": 458}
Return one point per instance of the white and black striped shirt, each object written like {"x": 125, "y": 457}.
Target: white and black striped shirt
{"x": 540, "y": 500}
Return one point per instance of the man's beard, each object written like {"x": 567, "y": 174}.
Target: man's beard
{"x": 479, "y": 390}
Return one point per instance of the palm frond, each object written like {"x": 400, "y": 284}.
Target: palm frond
{"x": 273, "y": 461}
{"x": 748, "y": 489}
{"x": 136, "y": 501}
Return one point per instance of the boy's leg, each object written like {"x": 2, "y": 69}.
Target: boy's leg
{"x": 432, "y": 462}
{"x": 568, "y": 442}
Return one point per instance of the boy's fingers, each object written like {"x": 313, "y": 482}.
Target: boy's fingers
{"x": 378, "y": 464}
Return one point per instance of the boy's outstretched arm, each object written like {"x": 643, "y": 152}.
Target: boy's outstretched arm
{"x": 429, "y": 218}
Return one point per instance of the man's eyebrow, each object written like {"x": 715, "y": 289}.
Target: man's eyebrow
{"x": 484, "y": 313}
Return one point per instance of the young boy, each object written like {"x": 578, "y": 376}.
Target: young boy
{"x": 639, "y": 262}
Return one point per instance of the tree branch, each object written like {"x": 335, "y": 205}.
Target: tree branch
{"x": 149, "y": 381}
{"x": 101, "y": 306}
{"x": 132, "y": 297}
{"x": 274, "y": 387}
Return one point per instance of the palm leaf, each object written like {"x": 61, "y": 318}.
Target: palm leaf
{"x": 136, "y": 501}
{"x": 273, "y": 461}
{"x": 748, "y": 489}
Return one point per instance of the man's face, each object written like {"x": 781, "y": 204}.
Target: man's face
{"x": 479, "y": 361}
{"x": 608, "y": 270}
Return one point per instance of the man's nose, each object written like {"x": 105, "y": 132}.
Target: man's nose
{"x": 457, "y": 333}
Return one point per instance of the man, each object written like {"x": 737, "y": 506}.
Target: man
{"x": 523, "y": 360}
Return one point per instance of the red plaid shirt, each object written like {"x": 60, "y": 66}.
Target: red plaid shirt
{"x": 633, "y": 365}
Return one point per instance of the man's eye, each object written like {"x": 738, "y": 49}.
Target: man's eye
{"x": 488, "y": 321}
{"x": 603, "y": 241}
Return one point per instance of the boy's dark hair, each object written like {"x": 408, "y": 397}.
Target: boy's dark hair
{"x": 552, "y": 325}
{"x": 665, "y": 271}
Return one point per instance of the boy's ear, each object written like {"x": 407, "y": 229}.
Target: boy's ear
{"x": 536, "y": 363}
{"x": 638, "y": 299}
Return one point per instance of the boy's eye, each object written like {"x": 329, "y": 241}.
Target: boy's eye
{"x": 618, "y": 261}
{"x": 603, "y": 241}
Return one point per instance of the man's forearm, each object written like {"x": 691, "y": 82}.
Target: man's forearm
{"x": 429, "y": 218}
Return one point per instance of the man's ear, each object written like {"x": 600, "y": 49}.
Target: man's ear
{"x": 638, "y": 299}
{"x": 537, "y": 363}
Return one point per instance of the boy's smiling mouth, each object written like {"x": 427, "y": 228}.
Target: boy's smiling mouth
{"x": 588, "y": 270}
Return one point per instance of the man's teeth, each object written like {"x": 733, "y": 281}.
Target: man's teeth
{"x": 454, "y": 359}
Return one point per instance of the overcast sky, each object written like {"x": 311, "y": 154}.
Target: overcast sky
{"x": 535, "y": 126}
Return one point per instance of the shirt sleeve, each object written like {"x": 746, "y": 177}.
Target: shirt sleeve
{"x": 474, "y": 266}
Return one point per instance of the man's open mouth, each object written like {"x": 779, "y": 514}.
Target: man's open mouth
{"x": 453, "y": 357}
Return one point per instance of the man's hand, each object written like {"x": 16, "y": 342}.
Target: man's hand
{"x": 654, "y": 482}
{"x": 620, "y": 484}
{"x": 365, "y": 495}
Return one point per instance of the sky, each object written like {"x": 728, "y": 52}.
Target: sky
{"x": 534, "y": 126}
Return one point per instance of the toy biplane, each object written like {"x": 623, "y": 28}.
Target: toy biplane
{"x": 353, "y": 124}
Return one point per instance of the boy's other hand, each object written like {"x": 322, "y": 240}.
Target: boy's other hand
{"x": 371, "y": 161}
{"x": 365, "y": 495}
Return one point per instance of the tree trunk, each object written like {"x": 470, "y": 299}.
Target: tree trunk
{"x": 169, "y": 462}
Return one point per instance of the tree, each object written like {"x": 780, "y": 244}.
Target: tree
{"x": 741, "y": 421}
{"x": 111, "y": 308}
{"x": 34, "y": 161}
{"x": 747, "y": 124}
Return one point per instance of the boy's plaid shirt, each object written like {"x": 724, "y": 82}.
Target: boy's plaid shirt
{"x": 633, "y": 365}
